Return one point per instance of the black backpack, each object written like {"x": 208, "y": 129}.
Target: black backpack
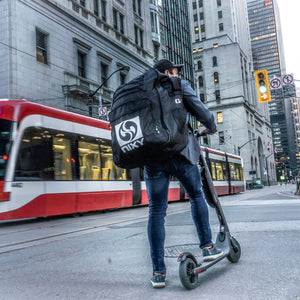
{"x": 148, "y": 120}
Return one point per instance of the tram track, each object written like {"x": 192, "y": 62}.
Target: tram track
{"x": 23, "y": 234}
{"x": 16, "y": 237}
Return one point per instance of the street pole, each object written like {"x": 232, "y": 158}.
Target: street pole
{"x": 268, "y": 177}
{"x": 268, "y": 168}
{"x": 91, "y": 94}
{"x": 240, "y": 147}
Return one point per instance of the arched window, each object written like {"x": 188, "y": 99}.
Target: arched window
{"x": 214, "y": 61}
{"x": 199, "y": 65}
{"x": 200, "y": 81}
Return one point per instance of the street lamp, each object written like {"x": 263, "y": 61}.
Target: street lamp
{"x": 240, "y": 147}
{"x": 91, "y": 94}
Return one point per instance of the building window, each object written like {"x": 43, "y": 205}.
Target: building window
{"x": 118, "y": 21}
{"x": 200, "y": 79}
{"x": 136, "y": 35}
{"x": 115, "y": 19}
{"x": 194, "y": 5}
{"x": 139, "y": 7}
{"x": 81, "y": 64}
{"x": 121, "y": 23}
{"x": 195, "y": 17}
{"x": 200, "y": 2}
{"x": 219, "y": 3}
{"x": 202, "y": 98}
{"x": 199, "y": 65}
{"x": 154, "y": 25}
{"x": 218, "y": 95}
{"x": 156, "y": 50}
{"x": 214, "y": 61}
{"x": 41, "y": 47}
{"x": 221, "y": 137}
{"x": 202, "y": 28}
{"x": 220, "y": 14}
{"x": 82, "y": 2}
{"x": 104, "y": 72}
{"x": 103, "y": 10}
{"x": 201, "y": 16}
{"x": 96, "y": 8}
{"x": 219, "y": 117}
{"x": 216, "y": 77}
{"x": 196, "y": 30}
{"x": 221, "y": 27}
{"x": 122, "y": 78}
{"x": 141, "y": 38}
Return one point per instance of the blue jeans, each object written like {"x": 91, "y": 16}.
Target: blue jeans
{"x": 157, "y": 179}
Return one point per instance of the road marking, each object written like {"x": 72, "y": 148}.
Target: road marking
{"x": 287, "y": 195}
{"x": 47, "y": 239}
{"x": 262, "y": 226}
{"x": 260, "y": 202}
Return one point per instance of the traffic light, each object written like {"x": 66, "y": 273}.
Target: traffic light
{"x": 262, "y": 86}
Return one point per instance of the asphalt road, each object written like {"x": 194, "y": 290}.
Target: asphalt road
{"x": 106, "y": 256}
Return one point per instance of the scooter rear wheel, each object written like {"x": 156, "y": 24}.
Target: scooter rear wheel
{"x": 235, "y": 251}
{"x": 188, "y": 279}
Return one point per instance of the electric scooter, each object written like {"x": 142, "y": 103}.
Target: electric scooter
{"x": 189, "y": 267}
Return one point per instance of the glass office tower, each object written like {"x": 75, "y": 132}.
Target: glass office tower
{"x": 268, "y": 53}
{"x": 177, "y": 36}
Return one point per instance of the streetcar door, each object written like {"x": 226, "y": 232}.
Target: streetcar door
{"x": 136, "y": 186}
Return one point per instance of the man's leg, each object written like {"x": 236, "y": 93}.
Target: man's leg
{"x": 190, "y": 177}
{"x": 157, "y": 183}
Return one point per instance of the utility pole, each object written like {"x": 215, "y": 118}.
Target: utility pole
{"x": 240, "y": 147}
{"x": 91, "y": 94}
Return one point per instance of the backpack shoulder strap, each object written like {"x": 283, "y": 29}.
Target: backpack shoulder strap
{"x": 150, "y": 78}
{"x": 176, "y": 83}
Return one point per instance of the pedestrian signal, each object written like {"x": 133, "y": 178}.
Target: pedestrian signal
{"x": 262, "y": 86}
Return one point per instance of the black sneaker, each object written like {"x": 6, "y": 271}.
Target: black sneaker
{"x": 158, "y": 280}
{"x": 211, "y": 254}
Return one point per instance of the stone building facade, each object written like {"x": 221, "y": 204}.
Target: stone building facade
{"x": 55, "y": 51}
{"x": 225, "y": 83}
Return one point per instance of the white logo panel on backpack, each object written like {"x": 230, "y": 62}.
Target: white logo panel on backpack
{"x": 129, "y": 134}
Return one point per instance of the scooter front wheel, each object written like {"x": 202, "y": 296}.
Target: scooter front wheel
{"x": 188, "y": 279}
{"x": 235, "y": 250}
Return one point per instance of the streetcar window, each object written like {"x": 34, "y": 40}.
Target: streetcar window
{"x": 224, "y": 171}
{"x": 109, "y": 171}
{"x": 213, "y": 170}
{"x": 219, "y": 171}
{"x": 96, "y": 160}
{"x": 5, "y": 128}
{"x": 241, "y": 174}
{"x": 233, "y": 171}
{"x": 46, "y": 154}
{"x": 89, "y": 160}
{"x": 35, "y": 159}
{"x": 236, "y": 171}
{"x": 62, "y": 157}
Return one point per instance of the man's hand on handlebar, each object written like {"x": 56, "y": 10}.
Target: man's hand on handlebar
{"x": 203, "y": 132}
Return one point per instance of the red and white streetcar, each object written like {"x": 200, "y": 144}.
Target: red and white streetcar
{"x": 54, "y": 162}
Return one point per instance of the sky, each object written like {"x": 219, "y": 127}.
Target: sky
{"x": 290, "y": 24}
